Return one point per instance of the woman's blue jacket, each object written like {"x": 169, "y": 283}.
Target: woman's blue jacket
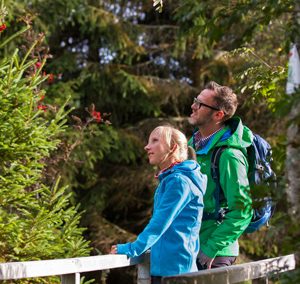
{"x": 173, "y": 231}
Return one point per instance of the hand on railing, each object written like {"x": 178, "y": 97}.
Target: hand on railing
{"x": 113, "y": 249}
{"x": 204, "y": 260}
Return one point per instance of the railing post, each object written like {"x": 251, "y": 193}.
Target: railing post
{"x": 143, "y": 276}
{"x": 70, "y": 278}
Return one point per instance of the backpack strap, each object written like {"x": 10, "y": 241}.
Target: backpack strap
{"x": 218, "y": 193}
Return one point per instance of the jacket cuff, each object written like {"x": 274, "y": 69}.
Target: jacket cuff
{"x": 123, "y": 248}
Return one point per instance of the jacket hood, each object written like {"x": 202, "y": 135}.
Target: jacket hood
{"x": 191, "y": 169}
{"x": 237, "y": 134}
{"x": 234, "y": 134}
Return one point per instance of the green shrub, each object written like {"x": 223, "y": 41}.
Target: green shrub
{"x": 37, "y": 220}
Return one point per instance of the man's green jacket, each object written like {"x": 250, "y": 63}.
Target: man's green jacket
{"x": 221, "y": 239}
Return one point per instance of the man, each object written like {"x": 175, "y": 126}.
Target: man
{"x": 212, "y": 114}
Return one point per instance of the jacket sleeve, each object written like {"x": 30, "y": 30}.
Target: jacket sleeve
{"x": 175, "y": 197}
{"x": 235, "y": 184}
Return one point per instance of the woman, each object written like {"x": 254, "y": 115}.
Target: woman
{"x": 173, "y": 231}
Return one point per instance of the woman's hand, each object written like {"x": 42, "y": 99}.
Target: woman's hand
{"x": 204, "y": 260}
{"x": 113, "y": 249}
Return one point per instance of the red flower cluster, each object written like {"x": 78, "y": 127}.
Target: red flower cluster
{"x": 2, "y": 28}
{"x": 38, "y": 65}
{"x": 40, "y": 105}
{"x": 50, "y": 78}
{"x": 97, "y": 115}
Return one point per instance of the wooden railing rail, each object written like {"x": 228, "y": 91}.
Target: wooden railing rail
{"x": 70, "y": 268}
{"x": 237, "y": 273}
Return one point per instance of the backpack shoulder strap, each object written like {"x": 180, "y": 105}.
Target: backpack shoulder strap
{"x": 215, "y": 173}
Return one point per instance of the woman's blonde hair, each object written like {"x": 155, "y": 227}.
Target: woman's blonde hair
{"x": 172, "y": 137}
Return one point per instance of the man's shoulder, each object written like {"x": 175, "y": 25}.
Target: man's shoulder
{"x": 232, "y": 152}
{"x": 232, "y": 155}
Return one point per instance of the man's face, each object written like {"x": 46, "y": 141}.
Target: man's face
{"x": 202, "y": 113}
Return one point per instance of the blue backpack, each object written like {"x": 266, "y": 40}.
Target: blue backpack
{"x": 260, "y": 175}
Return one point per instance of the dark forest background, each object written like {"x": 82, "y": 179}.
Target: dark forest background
{"x": 106, "y": 73}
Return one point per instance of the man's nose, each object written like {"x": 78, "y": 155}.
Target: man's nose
{"x": 193, "y": 106}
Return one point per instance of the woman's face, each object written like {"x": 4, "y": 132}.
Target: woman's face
{"x": 158, "y": 151}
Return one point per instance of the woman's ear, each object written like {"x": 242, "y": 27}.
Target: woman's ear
{"x": 173, "y": 148}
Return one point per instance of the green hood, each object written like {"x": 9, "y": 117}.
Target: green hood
{"x": 234, "y": 135}
{"x": 241, "y": 136}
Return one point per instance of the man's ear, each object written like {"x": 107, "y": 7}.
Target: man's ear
{"x": 219, "y": 115}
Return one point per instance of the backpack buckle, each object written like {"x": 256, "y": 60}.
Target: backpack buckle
{"x": 260, "y": 168}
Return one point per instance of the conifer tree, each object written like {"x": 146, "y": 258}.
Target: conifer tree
{"x": 37, "y": 220}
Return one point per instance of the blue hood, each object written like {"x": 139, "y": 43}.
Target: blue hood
{"x": 191, "y": 169}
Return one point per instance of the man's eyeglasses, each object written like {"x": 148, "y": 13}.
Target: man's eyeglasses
{"x": 200, "y": 104}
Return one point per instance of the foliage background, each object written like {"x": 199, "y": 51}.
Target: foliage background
{"x": 144, "y": 68}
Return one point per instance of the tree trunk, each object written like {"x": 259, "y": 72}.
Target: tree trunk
{"x": 293, "y": 143}
{"x": 292, "y": 163}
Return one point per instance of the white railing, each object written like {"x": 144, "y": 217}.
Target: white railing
{"x": 70, "y": 268}
{"x": 262, "y": 269}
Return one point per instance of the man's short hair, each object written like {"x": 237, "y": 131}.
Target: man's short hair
{"x": 224, "y": 97}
